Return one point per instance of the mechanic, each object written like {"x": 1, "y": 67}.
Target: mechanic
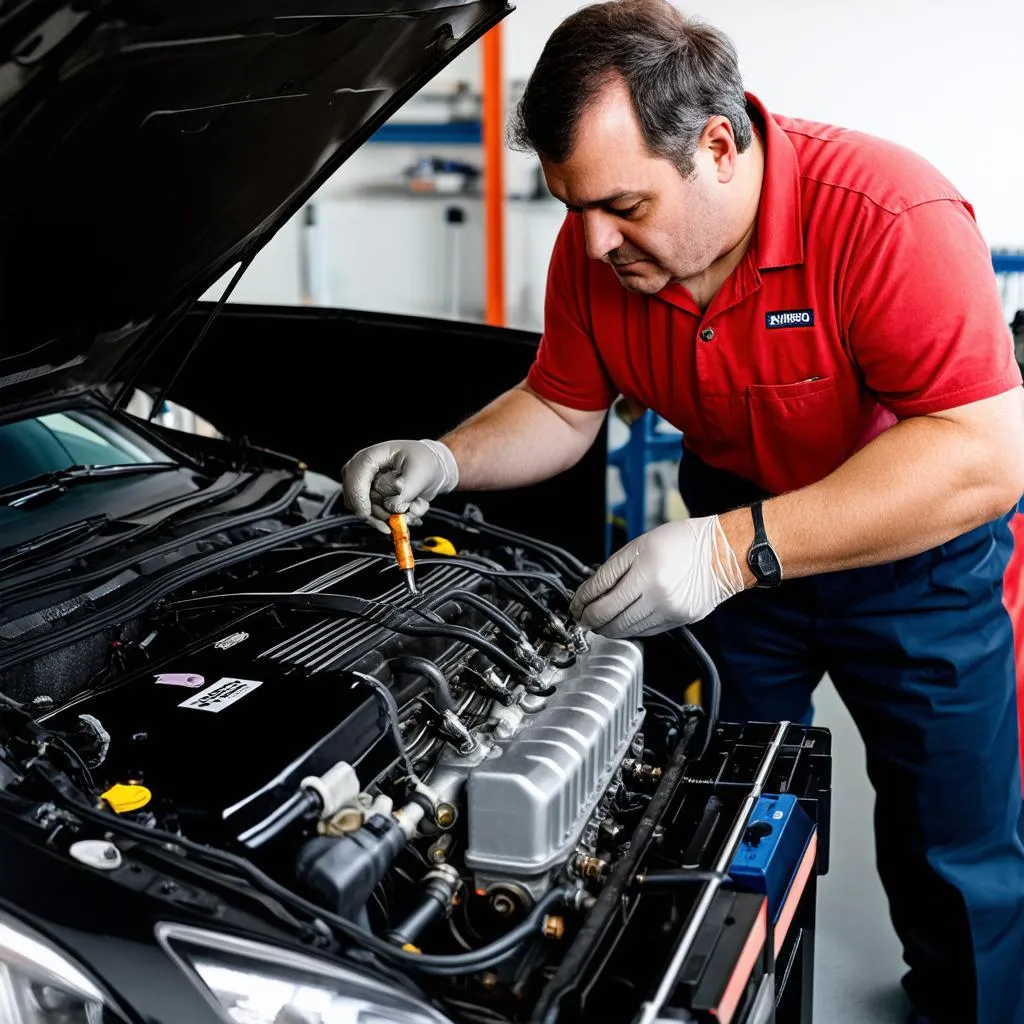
{"x": 815, "y": 309}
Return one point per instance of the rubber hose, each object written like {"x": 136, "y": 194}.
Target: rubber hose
{"x": 387, "y": 698}
{"x": 712, "y": 700}
{"x": 513, "y": 585}
{"x": 517, "y": 588}
{"x": 570, "y": 562}
{"x": 435, "y": 677}
{"x": 549, "y": 579}
{"x": 496, "y": 951}
{"x": 659, "y": 697}
{"x": 471, "y": 562}
{"x": 297, "y": 807}
{"x": 510, "y": 628}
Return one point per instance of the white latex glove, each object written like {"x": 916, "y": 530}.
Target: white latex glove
{"x": 397, "y": 476}
{"x": 673, "y": 575}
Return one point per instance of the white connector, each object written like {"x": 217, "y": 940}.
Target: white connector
{"x": 337, "y": 788}
{"x": 409, "y": 818}
{"x": 382, "y": 804}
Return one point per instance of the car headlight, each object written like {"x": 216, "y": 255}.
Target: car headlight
{"x": 40, "y": 985}
{"x": 253, "y": 983}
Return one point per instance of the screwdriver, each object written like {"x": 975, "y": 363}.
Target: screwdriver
{"x": 403, "y": 549}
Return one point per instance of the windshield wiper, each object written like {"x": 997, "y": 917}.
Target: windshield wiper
{"x": 62, "y": 480}
{"x": 16, "y": 554}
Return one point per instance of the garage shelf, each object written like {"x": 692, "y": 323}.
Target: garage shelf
{"x": 651, "y": 440}
{"x": 1008, "y": 261}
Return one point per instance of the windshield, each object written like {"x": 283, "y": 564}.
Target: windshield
{"x": 61, "y": 467}
{"x": 55, "y": 441}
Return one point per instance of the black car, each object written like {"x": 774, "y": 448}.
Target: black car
{"x": 245, "y": 774}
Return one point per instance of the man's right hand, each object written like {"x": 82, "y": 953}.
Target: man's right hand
{"x": 397, "y": 476}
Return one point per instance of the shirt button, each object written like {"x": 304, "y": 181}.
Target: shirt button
{"x": 707, "y": 334}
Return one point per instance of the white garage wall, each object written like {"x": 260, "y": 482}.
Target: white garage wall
{"x": 942, "y": 78}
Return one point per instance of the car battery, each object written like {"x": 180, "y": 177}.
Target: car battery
{"x": 772, "y": 848}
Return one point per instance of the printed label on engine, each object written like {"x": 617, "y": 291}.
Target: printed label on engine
{"x": 229, "y": 641}
{"x": 220, "y": 694}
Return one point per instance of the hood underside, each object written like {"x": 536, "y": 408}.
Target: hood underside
{"x": 147, "y": 147}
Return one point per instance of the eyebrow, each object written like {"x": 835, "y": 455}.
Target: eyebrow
{"x": 606, "y": 201}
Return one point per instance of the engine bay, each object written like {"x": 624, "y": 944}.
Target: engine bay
{"x": 444, "y": 690}
{"x": 451, "y": 775}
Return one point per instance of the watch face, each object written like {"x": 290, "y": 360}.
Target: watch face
{"x": 765, "y": 565}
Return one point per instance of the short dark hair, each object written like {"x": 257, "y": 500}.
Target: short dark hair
{"x": 680, "y": 73}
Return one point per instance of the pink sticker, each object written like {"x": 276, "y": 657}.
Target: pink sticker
{"x": 180, "y": 679}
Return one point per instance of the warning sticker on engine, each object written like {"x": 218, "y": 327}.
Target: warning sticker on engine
{"x": 220, "y": 694}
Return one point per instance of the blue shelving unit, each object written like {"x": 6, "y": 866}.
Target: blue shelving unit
{"x": 1008, "y": 261}
{"x": 646, "y": 444}
{"x": 448, "y": 133}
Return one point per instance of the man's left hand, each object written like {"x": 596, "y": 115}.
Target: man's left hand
{"x": 671, "y": 576}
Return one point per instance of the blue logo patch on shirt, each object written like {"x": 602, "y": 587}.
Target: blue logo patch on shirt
{"x": 789, "y": 318}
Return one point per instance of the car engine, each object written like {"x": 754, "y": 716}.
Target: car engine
{"x": 438, "y": 767}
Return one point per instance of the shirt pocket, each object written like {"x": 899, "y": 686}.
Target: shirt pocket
{"x": 796, "y": 431}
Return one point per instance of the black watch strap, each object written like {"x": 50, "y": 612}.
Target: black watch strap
{"x": 761, "y": 558}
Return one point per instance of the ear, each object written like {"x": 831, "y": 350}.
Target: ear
{"x": 718, "y": 139}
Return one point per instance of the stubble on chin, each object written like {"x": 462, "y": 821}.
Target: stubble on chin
{"x": 649, "y": 283}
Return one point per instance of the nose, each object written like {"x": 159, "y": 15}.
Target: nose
{"x": 602, "y": 234}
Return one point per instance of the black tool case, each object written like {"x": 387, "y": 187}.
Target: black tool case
{"x": 704, "y": 947}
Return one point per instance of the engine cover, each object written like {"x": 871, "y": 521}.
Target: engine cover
{"x": 226, "y": 753}
{"x": 530, "y": 800}
{"x": 223, "y": 731}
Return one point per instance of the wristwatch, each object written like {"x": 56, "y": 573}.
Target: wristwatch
{"x": 761, "y": 557}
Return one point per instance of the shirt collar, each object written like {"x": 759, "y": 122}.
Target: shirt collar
{"x": 780, "y": 234}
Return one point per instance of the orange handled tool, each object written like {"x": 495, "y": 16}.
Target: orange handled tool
{"x": 403, "y": 550}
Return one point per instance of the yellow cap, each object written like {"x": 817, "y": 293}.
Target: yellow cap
{"x": 410, "y": 948}
{"x": 439, "y": 546}
{"x": 692, "y": 694}
{"x": 127, "y": 798}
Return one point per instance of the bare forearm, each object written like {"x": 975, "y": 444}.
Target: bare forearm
{"x": 518, "y": 440}
{"x": 914, "y": 487}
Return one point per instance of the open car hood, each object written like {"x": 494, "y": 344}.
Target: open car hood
{"x": 146, "y": 147}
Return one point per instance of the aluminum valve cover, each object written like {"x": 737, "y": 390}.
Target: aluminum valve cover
{"x": 528, "y": 806}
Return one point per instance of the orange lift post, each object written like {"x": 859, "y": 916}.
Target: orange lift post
{"x": 494, "y": 176}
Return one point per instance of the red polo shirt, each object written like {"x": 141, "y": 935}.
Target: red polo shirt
{"x": 866, "y": 296}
